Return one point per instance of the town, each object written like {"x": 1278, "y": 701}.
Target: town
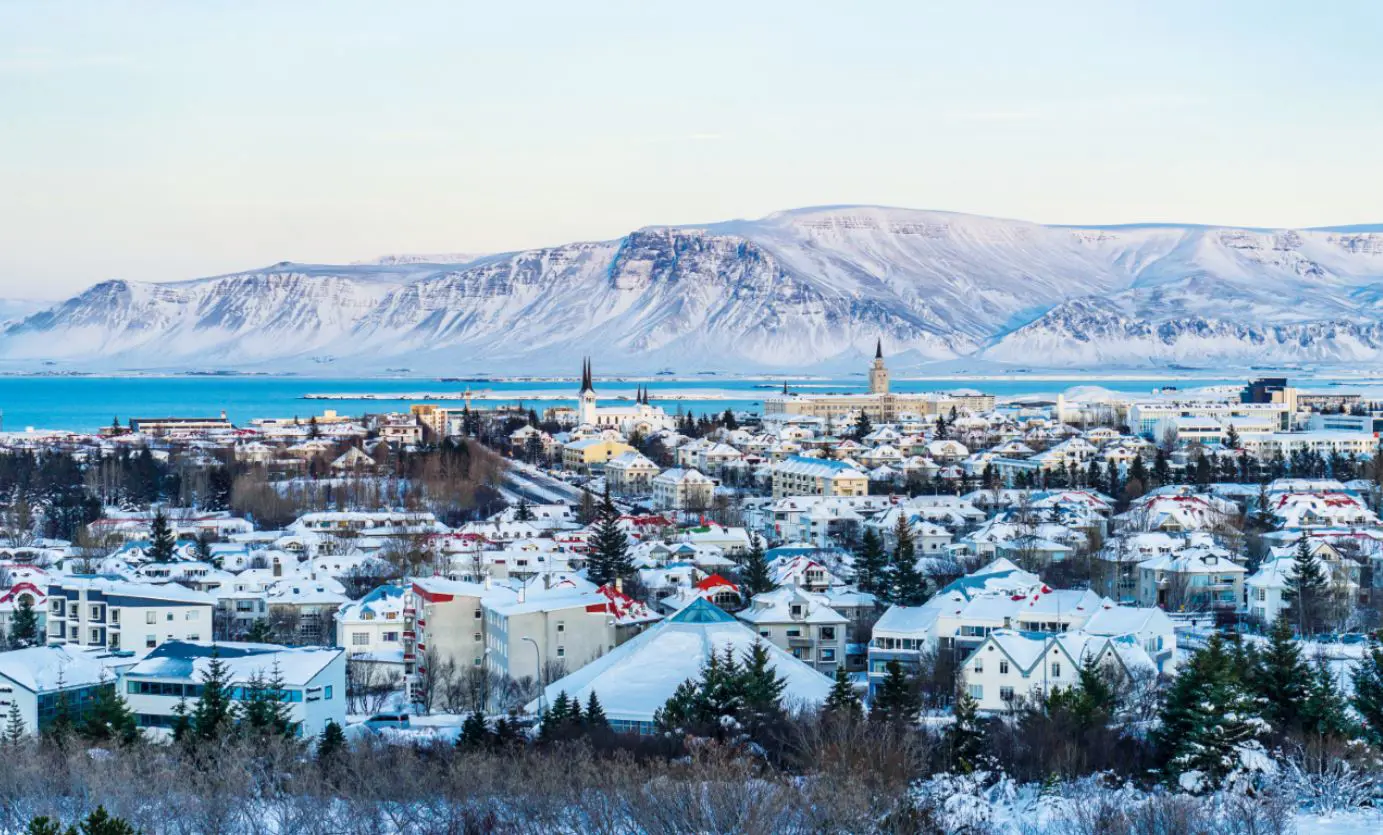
{"x": 985, "y": 574}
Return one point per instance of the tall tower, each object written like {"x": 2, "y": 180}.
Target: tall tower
{"x": 586, "y": 406}
{"x": 878, "y": 374}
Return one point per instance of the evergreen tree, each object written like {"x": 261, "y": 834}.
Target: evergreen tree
{"x": 1282, "y": 679}
{"x": 264, "y": 708}
{"x": 754, "y": 575}
{"x": 161, "y": 541}
{"x": 506, "y": 733}
{"x": 862, "y": 426}
{"x": 331, "y": 746}
{"x": 1208, "y": 717}
{"x": 562, "y": 719}
{"x": 475, "y": 733}
{"x": 906, "y": 586}
{"x": 843, "y": 702}
{"x": 182, "y": 721}
{"x": 260, "y": 632}
{"x": 1162, "y": 471}
{"x": 897, "y": 699}
{"x": 965, "y": 736}
{"x": 1367, "y": 678}
{"x": 762, "y": 687}
{"x": 609, "y": 547}
{"x": 1325, "y": 712}
{"x": 61, "y": 727}
{"x": 1232, "y": 438}
{"x": 24, "y": 624}
{"x": 871, "y": 566}
{"x": 213, "y": 717}
{"x": 15, "y": 730}
{"x": 595, "y": 714}
{"x": 1308, "y": 589}
{"x": 522, "y": 512}
{"x": 110, "y": 719}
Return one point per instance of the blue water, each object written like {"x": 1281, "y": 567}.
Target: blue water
{"x": 88, "y": 403}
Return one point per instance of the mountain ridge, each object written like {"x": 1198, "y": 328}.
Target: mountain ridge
{"x": 801, "y": 288}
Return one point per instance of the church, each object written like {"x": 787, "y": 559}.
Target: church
{"x": 642, "y": 417}
{"x": 879, "y": 403}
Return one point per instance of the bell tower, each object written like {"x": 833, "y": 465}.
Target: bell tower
{"x": 586, "y": 404}
{"x": 878, "y": 374}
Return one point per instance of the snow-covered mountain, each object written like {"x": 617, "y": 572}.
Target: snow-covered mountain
{"x": 803, "y": 288}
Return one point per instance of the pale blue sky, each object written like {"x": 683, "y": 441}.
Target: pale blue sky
{"x": 177, "y": 139}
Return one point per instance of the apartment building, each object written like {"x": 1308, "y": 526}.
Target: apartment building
{"x": 107, "y": 612}
{"x": 798, "y": 476}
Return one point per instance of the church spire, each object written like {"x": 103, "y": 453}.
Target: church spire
{"x": 879, "y": 349}
{"x": 586, "y": 384}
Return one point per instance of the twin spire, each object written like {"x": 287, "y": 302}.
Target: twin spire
{"x": 586, "y": 384}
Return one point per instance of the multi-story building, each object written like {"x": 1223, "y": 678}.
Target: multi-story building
{"x": 802, "y": 623}
{"x": 373, "y": 624}
{"x": 679, "y": 489}
{"x": 313, "y": 681}
{"x": 1153, "y": 419}
{"x": 99, "y": 611}
{"x": 879, "y": 404}
{"x": 630, "y": 473}
{"x": 1195, "y": 579}
{"x": 798, "y": 476}
{"x": 593, "y": 453}
{"x": 1011, "y": 667}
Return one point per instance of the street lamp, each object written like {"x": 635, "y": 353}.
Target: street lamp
{"x": 542, "y": 686}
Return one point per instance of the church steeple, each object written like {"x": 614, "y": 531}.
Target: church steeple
{"x": 586, "y": 376}
{"x": 879, "y": 349}
{"x": 878, "y": 373}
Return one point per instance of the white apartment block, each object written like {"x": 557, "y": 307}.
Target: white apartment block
{"x": 120, "y": 615}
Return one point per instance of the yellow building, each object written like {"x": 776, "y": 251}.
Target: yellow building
{"x": 592, "y": 453}
{"x": 879, "y": 403}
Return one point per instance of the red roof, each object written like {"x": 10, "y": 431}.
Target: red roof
{"x": 716, "y": 581}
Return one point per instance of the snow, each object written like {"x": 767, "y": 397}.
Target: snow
{"x": 807, "y": 287}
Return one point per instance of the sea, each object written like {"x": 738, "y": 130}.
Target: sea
{"x": 87, "y": 403}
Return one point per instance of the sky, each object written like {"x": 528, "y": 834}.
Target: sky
{"x": 168, "y": 140}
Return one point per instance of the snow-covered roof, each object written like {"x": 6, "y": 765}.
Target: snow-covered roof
{"x": 636, "y": 678}
{"x": 39, "y": 669}
{"x": 189, "y": 661}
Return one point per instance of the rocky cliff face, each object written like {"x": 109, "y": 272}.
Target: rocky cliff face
{"x": 796, "y": 289}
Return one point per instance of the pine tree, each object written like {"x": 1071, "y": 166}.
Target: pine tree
{"x": 161, "y": 541}
{"x": 1208, "y": 717}
{"x": 475, "y": 733}
{"x": 331, "y": 746}
{"x": 609, "y": 547}
{"x": 260, "y": 632}
{"x": 506, "y": 733}
{"x": 871, "y": 566}
{"x": 213, "y": 716}
{"x": 1232, "y": 438}
{"x": 557, "y": 721}
{"x": 906, "y": 586}
{"x": 754, "y": 575}
{"x": 61, "y": 727}
{"x": 1325, "y": 711}
{"x": 843, "y": 703}
{"x": 1308, "y": 589}
{"x": 965, "y": 737}
{"x": 595, "y": 714}
{"x": 523, "y": 513}
{"x": 15, "y": 730}
{"x": 762, "y": 688}
{"x": 1367, "y": 679}
{"x": 862, "y": 426}
{"x": 24, "y": 624}
{"x": 1282, "y": 679}
{"x": 264, "y": 709}
{"x": 182, "y": 721}
{"x": 896, "y": 700}
{"x": 110, "y": 719}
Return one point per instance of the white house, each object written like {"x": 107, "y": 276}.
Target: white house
{"x": 36, "y": 677}
{"x": 801, "y": 623}
{"x": 313, "y": 680}
{"x": 116, "y": 614}
{"x": 1011, "y": 666}
{"x": 373, "y": 624}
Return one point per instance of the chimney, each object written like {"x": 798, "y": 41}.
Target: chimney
{"x": 619, "y": 585}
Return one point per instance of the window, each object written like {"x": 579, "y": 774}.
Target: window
{"x": 979, "y": 665}
{"x": 150, "y": 617}
{"x": 95, "y": 636}
{"x": 191, "y": 614}
{"x": 828, "y": 655}
{"x": 114, "y": 640}
{"x": 561, "y": 627}
{"x": 360, "y": 639}
{"x": 1006, "y": 694}
{"x": 794, "y": 633}
{"x": 150, "y": 641}
{"x": 479, "y": 614}
{"x": 193, "y": 636}
{"x": 1056, "y": 671}
{"x": 97, "y": 611}
{"x": 561, "y": 652}
{"x": 976, "y": 691}
{"x": 170, "y": 616}
{"x": 1003, "y": 668}
{"x": 796, "y": 610}
{"x": 476, "y": 637}
{"x": 115, "y": 617}
{"x": 391, "y": 636}
{"x": 763, "y": 633}
{"x": 828, "y": 633}
{"x": 326, "y": 694}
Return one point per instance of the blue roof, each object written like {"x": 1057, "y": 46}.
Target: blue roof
{"x": 702, "y": 610}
